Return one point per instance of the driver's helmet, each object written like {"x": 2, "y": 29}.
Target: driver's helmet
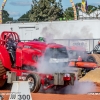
{"x": 11, "y": 37}
{"x": 41, "y": 39}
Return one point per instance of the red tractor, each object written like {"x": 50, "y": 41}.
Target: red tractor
{"x": 20, "y": 61}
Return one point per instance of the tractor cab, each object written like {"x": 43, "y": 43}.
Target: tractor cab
{"x": 10, "y": 40}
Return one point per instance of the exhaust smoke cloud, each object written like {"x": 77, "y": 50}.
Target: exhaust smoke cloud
{"x": 54, "y": 60}
{"x": 48, "y": 68}
{"x": 79, "y": 88}
{"x": 51, "y": 33}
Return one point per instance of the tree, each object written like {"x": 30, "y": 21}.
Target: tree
{"x": 69, "y": 13}
{"x": 5, "y": 16}
{"x": 24, "y": 17}
{"x": 46, "y": 10}
{"x": 91, "y": 8}
{"x": 98, "y": 6}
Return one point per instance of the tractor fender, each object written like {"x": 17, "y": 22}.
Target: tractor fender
{"x": 5, "y": 57}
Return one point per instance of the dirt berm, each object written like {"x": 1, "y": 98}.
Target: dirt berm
{"x": 93, "y": 76}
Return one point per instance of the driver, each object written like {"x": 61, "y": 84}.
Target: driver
{"x": 11, "y": 46}
{"x": 11, "y": 43}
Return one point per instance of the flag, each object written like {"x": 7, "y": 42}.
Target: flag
{"x": 86, "y": 6}
{"x": 83, "y": 3}
{"x": 83, "y": 6}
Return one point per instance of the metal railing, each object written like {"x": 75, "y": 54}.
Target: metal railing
{"x": 88, "y": 44}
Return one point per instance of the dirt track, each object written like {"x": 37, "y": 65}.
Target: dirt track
{"x": 43, "y": 96}
{"x": 39, "y": 96}
{"x": 66, "y": 96}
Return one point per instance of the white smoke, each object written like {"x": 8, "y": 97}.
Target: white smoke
{"x": 46, "y": 68}
{"x": 83, "y": 34}
{"x": 50, "y": 32}
{"x": 55, "y": 33}
{"x": 49, "y": 65}
{"x": 83, "y": 88}
{"x": 79, "y": 88}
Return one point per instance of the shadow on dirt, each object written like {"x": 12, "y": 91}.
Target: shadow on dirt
{"x": 77, "y": 88}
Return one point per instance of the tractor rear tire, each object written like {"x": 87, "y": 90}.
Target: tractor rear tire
{"x": 37, "y": 82}
{"x": 94, "y": 58}
{"x": 2, "y": 72}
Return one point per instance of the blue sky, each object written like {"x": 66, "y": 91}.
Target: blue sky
{"x": 16, "y": 8}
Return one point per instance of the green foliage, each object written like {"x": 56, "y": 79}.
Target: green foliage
{"x": 69, "y": 13}
{"x": 24, "y": 17}
{"x": 51, "y": 10}
{"x": 5, "y": 16}
{"x": 46, "y": 10}
{"x": 91, "y": 9}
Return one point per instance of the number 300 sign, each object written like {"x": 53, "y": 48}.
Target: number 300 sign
{"x": 20, "y": 97}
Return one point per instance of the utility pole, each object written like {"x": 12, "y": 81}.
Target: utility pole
{"x": 1, "y": 9}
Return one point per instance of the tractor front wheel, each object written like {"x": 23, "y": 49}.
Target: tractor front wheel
{"x": 34, "y": 82}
